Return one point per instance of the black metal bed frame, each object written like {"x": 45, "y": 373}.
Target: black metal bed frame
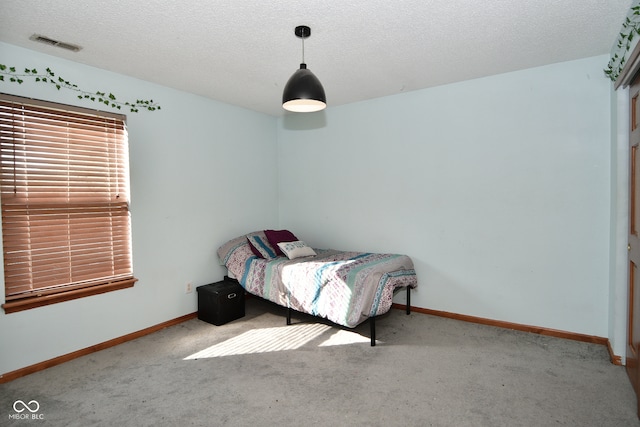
{"x": 372, "y": 319}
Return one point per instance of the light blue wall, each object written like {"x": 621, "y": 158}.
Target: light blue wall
{"x": 498, "y": 188}
{"x": 201, "y": 173}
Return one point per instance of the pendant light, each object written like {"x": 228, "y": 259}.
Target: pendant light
{"x": 303, "y": 92}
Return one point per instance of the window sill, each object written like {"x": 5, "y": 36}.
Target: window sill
{"x": 42, "y": 300}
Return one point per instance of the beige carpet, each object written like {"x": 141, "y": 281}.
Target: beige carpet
{"x": 256, "y": 371}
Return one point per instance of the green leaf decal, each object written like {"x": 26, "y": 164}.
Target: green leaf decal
{"x": 48, "y": 77}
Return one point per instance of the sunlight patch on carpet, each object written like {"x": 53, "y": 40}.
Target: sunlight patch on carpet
{"x": 343, "y": 337}
{"x": 264, "y": 340}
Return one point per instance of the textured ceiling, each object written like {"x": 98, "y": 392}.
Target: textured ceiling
{"x": 242, "y": 52}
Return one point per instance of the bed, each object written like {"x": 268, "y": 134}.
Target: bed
{"x": 345, "y": 287}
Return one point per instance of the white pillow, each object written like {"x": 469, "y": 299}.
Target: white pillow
{"x": 296, "y": 249}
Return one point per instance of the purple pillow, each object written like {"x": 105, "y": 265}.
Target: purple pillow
{"x": 276, "y": 236}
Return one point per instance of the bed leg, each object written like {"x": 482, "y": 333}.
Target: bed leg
{"x": 288, "y": 315}
{"x": 372, "y": 325}
{"x": 408, "y": 300}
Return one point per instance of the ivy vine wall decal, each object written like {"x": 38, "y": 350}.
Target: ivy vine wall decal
{"x": 626, "y": 40}
{"x": 11, "y": 75}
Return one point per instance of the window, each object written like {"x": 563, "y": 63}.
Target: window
{"x": 64, "y": 191}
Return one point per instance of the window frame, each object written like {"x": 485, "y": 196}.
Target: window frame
{"x": 122, "y": 276}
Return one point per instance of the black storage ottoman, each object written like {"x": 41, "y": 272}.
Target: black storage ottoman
{"x": 220, "y": 302}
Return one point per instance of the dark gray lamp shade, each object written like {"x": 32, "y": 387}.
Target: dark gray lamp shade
{"x": 303, "y": 92}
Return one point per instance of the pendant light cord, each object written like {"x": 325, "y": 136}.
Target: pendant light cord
{"x": 302, "y": 48}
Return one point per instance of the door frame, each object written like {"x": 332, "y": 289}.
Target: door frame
{"x": 623, "y": 108}
{"x": 619, "y": 209}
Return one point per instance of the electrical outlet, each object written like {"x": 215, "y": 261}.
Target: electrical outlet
{"x": 188, "y": 289}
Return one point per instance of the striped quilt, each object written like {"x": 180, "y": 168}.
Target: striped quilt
{"x": 344, "y": 287}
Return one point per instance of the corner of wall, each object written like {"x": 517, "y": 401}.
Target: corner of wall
{"x": 619, "y": 208}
